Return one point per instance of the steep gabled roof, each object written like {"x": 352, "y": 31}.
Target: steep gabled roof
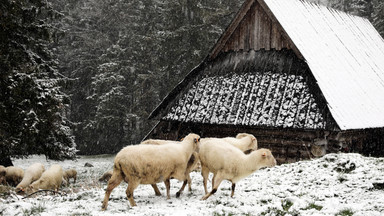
{"x": 344, "y": 53}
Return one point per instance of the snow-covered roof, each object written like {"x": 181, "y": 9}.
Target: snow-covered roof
{"x": 346, "y": 56}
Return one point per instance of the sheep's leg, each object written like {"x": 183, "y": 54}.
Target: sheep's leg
{"x": 168, "y": 187}
{"x": 112, "y": 183}
{"x": 233, "y": 189}
{"x": 218, "y": 181}
{"x": 132, "y": 185}
{"x": 157, "y": 191}
{"x": 189, "y": 183}
{"x": 74, "y": 180}
{"x": 181, "y": 189}
{"x": 205, "y": 173}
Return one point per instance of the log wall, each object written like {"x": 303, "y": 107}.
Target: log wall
{"x": 287, "y": 145}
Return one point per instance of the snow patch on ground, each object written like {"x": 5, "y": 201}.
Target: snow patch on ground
{"x": 324, "y": 186}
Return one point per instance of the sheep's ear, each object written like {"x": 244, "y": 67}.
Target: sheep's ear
{"x": 253, "y": 138}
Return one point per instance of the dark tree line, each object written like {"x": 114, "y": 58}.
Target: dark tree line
{"x": 95, "y": 69}
{"x": 123, "y": 57}
{"x": 31, "y": 101}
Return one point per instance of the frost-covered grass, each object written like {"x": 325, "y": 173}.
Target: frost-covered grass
{"x": 336, "y": 184}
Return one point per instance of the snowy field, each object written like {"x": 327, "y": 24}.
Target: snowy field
{"x": 336, "y": 184}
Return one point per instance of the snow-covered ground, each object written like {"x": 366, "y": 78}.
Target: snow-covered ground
{"x": 336, "y": 184}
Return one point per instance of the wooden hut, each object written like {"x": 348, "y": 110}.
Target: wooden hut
{"x": 304, "y": 79}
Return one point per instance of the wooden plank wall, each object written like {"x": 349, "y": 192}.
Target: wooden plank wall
{"x": 287, "y": 145}
{"x": 256, "y": 31}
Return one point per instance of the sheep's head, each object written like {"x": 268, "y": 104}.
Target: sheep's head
{"x": 253, "y": 145}
{"x": 30, "y": 189}
{"x": 196, "y": 144}
{"x": 33, "y": 187}
{"x": 106, "y": 176}
{"x": 241, "y": 135}
{"x": 20, "y": 190}
{"x": 266, "y": 158}
{"x": 195, "y": 139}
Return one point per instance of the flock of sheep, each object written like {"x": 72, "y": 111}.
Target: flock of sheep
{"x": 161, "y": 160}
{"x": 35, "y": 177}
{"x": 154, "y": 161}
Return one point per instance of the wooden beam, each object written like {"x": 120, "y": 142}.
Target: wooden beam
{"x": 231, "y": 28}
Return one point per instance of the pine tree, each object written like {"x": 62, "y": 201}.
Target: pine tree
{"x": 32, "y": 106}
{"x": 108, "y": 126}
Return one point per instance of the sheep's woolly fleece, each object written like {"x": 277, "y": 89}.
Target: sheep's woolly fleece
{"x": 331, "y": 185}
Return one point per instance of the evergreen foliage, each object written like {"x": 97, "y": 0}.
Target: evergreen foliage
{"x": 32, "y": 106}
{"x": 124, "y": 56}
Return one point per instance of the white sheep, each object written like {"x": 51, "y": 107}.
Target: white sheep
{"x": 2, "y": 174}
{"x": 13, "y": 175}
{"x": 106, "y": 176}
{"x": 68, "y": 174}
{"x": 51, "y": 179}
{"x": 157, "y": 142}
{"x": 150, "y": 164}
{"x": 243, "y": 141}
{"x": 192, "y": 164}
{"x": 31, "y": 174}
{"x": 229, "y": 163}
